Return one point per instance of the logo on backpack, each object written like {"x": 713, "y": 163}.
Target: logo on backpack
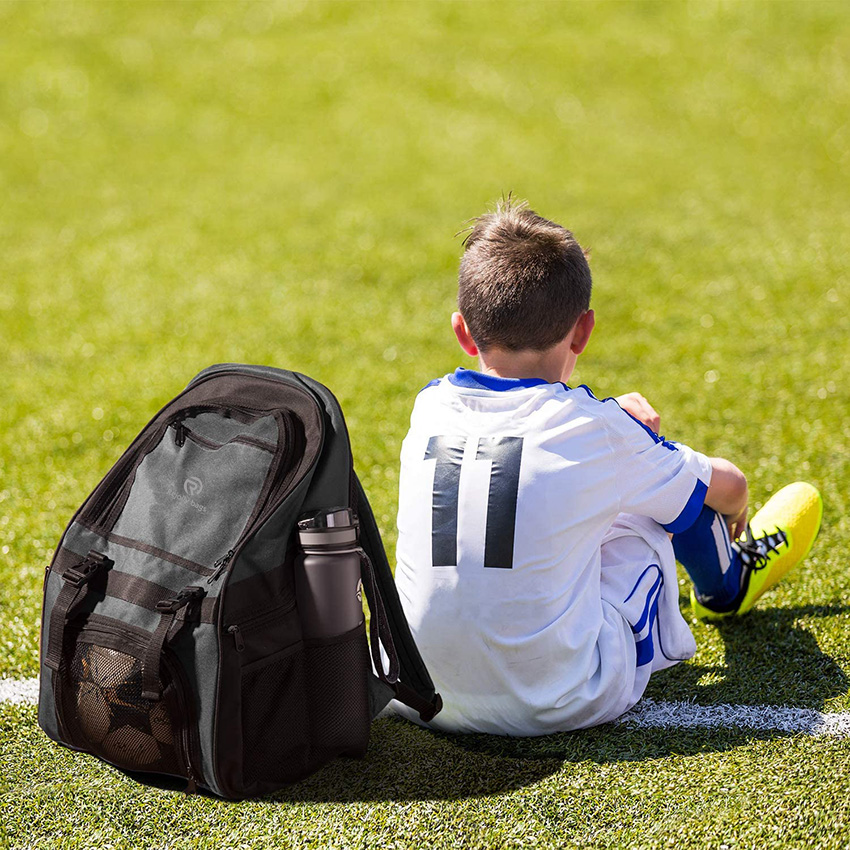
{"x": 192, "y": 486}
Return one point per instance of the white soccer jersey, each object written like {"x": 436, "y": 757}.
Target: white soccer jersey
{"x": 508, "y": 490}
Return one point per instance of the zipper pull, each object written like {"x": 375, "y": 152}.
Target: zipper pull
{"x": 219, "y": 567}
{"x": 179, "y": 433}
{"x": 237, "y": 637}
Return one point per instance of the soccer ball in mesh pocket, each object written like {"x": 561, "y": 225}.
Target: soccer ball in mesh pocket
{"x": 112, "y": 714}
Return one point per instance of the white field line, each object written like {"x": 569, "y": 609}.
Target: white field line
{"x": 19, "y": 690}
{"x": 763, "y": 718}
{"x": 646, "y": 714}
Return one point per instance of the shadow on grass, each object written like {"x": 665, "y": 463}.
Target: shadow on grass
{"x": 770, "y": 660}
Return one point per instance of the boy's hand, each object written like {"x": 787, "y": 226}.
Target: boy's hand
{"x": 641, "y": 409}
{"x": 737, "y": 525}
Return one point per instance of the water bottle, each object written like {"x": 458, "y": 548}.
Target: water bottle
{"x": 327, "y": 573}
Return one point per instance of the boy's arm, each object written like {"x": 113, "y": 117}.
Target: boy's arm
{"x": 727, "y": 492}
{"x": 641, "y": 409}
{"x": 728, "y": 495}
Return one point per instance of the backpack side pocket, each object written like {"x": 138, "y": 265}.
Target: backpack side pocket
{"x": 275, "y": 721}
{"x": 301, "y": 706}
{"x": 337, "y": 671}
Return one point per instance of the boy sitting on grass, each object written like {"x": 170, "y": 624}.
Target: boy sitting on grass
{"x": 535, "y": 561}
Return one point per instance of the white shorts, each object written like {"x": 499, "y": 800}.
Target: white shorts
{"x": 640, "y": 586}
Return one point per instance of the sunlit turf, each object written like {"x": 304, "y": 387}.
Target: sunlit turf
{"x": 191, "y": 183}
{"x": 609, "y": 788}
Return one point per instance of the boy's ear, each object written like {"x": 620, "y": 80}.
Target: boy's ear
{"x": 464, "y": 337}
{"x": 583, "y": 329}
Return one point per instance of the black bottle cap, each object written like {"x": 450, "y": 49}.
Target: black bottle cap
{"x": 340, "y": 517}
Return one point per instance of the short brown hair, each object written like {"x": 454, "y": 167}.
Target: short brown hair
{"x": 523, "y": 281}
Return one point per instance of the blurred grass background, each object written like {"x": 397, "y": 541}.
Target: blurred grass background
{"x": 281, "y": 183}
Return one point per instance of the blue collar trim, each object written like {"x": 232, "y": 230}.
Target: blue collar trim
{"x": 472, "y": 380}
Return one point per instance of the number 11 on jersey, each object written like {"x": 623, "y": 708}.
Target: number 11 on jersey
{"x": 505, "y": 455}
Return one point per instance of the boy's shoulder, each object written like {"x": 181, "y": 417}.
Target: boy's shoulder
{"x": 466, "y": 389}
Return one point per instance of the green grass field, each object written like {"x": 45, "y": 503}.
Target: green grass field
{"x": 281, "y": 183}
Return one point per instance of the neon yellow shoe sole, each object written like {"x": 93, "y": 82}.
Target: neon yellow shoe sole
{"x": 793, "y": 513}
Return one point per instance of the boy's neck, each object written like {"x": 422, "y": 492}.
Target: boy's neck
{"x": 552, "y": 365}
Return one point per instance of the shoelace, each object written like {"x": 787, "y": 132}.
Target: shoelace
{"x": 755, "y": 553}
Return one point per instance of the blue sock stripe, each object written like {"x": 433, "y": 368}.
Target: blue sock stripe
{"x": 724, "y": 534}
{"x": 704, "y": 554}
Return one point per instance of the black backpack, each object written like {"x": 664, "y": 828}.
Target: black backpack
{"x": 171, "y": 642}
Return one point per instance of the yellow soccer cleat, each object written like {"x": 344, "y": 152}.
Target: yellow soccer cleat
{"x": 778, "y": 537}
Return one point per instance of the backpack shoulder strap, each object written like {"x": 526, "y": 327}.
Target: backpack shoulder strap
{"x": 413, "y": 685}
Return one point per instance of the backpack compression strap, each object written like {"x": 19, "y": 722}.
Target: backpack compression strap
{"x": 167, "y": 608}
{"x": 76, "y": 586}
{"x": 379, "y": 626}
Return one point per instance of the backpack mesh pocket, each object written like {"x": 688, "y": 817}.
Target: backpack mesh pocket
{"x": 101, "y": 706}
{"x": 338, "y": 696}
{"x": 303, "y": 709}
{"x": 275, "y": 727}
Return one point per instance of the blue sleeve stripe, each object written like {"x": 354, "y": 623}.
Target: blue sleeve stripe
{"x": 690, "y": 512}
{"x": 430, "y": 384}
{"x": 655, "y": 437}
{"x": 668, "y": 444}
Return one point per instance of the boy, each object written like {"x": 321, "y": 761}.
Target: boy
{"x": 535, "y": 562}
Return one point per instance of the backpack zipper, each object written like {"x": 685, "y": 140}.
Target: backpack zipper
{"x": 182, "y": 432}
{"x": 219, "y": 566}
{"x": 179, "y": 433}
{"x": 237, "y": 637}
{"x": 256, "y": 622}
{"x": 187, "y": 739}
{"x": 102, "y": 512}
{"x": 257, "y": 515}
